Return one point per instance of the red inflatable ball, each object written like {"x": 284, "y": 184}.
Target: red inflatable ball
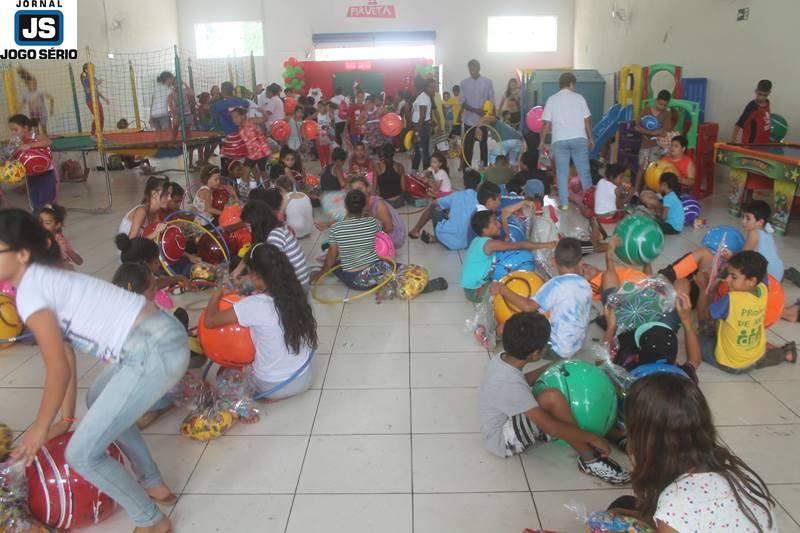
{"x": 230, "y": 215}
{"x": 220, "y": 198}
{"x": 416, "y": 188}
{"x": 391, "y": 124}
{"x": 289, "y": 104}
{"x": 236, "y": 239}
{"x": 209, "y": 251}
{"x": 776, "y": 300}
{"x": 588, "y": 198}
{"x": 229, "y": 346}
{"x": 58, "y": 496}
{"x": 36, "y": 161}
{"x": 280, "y": 130}
{"x": 173, "y": 244}
{"x": 309, "y": 130}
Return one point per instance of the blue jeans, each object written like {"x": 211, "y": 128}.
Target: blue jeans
{"x": 578, "y": 150}
{"x": 154, "y": 357}
{"x": 42, "y": 189}
{"x": 422, "y": 148}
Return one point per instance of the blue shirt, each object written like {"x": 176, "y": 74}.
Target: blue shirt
{"x": 452, "y": 232}
{"x": 474, "y": 92}
{"x": 675, "y": 216}
{"x": 477, "y": 267}
{"x": 568, "y": 299}
{"x": 767, "y": 248}
{"x": 222, "y": 111}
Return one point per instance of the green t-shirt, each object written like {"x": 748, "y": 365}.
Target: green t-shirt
{"x": 499, "y": 175}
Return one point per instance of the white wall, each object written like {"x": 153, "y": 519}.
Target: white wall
{"x": 704, "y": 38}
{"x": 460, "y": 25}
{"x": 146, "y": 25}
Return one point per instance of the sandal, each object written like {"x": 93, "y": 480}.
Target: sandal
{"x": 436, "y": 284}
{"x": 427, "y": 238}
{"x": 410, "y": 236}
{"x": 790, "y": 347}
{"x": 793, "y": 275}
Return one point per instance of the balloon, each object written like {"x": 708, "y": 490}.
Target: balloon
{"x": 230, "y": 215}
{"x": 778, "y": 128}
{"x": 228, "y": 346}
{"x": 8, "y": 289}
{"x": 650, "y": 122}
{"x": 36, "y": 161}
{"x": 173, "y": 244}
{"x": 58, "y": 496}
{"x": 734, "y": 240}
{"x": 309, "y": 130}
{"x": 415, "y": 187}
{"x": 588, "y": 390}
{"x": 525, "y": 284}
{"x": 219, "y": 199}
{"x": 280, "y": 130}
{"x": 209, "y": 251}
{"x": 512, "y": 261}
{"x": 391, "y": 124}
{"x": 289, "y": 105}
{"x": 292, "y": 60}
{"x": 384, "y": 246}
{"x": 641, "y": 240}
{"x": 533, "y": 119}
{"x": 10, "y": 322}
{"x": 488, "y": 107}
{"x": 691, "y": 209}
{"x": 300, "y": 76}
{"x": 285, "y": 64}
{"x": 408, "y": 140}
{"x": 652, "y": 175}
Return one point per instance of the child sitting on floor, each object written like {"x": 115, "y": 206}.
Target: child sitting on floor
{"x": 145, "y": 251}
{"x": 439, "y": 183}
{"x": 51, "y": 217}
{"x": 202, "y": 204}
{"x": 297, "y": 209}
{"x": 610, "y": 195}
{"x": 759, "y": 236}
{"x": 567, "y": 297}
{"x": 670, "y": 211}
{"x": 499, "y": 173}
{"x": 513, "y": 419}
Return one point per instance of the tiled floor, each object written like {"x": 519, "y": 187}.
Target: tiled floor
{"x": 388, "y": 439}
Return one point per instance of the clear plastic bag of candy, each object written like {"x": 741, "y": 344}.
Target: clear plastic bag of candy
{"x": 482, "y": 325}
{"x": 542, "y": 229}
{"x": 603, "y": 354}
{"x": 234, "y": 392}
{"x": 636, "y": 303}
{"x": 208, "y": 421}
{"x": 189, "y": 392}
{"x": 604, "y": 521}
{"x": 15, "y": 517}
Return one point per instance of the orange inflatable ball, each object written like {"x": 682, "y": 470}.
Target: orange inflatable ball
{"x": 652, "y": 175}
{"x": 230, "y": 215}
{"x": 309, "y": 130}
{"x": 280, "y": 130}
{"x": 289, "y": 105}
{"x": 521, "y": 282}
{"x": 776, "y": 300}
{"x": 391, "y": 124}
{"x": 230, "y": 346}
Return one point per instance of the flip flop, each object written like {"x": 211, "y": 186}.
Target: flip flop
{"x": 412, "y": 237}
{"x": 791, "y": 347}
{"x": 427, "y": 238}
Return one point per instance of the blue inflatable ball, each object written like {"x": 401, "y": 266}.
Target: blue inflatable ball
{"x": 656, "y": 368}
{"x": 511, "y": 261}
{"x": 516, "y": 230}
{"x": 691, "y": 209}
{"x": 734, "y": 240}
{"x": 650, "y": 123}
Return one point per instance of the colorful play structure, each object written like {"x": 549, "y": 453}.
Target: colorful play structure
{"x": 633, "y": 89}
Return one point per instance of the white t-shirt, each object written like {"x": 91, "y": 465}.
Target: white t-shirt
{"x": 568, "y": 299}
{"x": 338, "y": 99}
{"x": 566, "y": 110}
{"x": 126, "y": 223}
{"x": 443, "y": 180}
{"x": 273, "y": 362}
{"x": 159, "y": 105}
{"x": 422, "y": 100}
{"x": 274, "y": 109}
{"x": 299, "y": 214}
{"x": 95, "y": 316}
{"x": 605, "y": 197}
{"x": 699, "y": 503}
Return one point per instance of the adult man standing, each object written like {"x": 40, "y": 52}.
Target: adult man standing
{"x": 567, "y": 116}
{"x": 475, "y": 91}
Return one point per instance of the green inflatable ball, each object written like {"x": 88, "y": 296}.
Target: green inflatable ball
{"x": 588, "y": 390}
{"x": 778, "y": 128}
{"x": 641, "y": 240}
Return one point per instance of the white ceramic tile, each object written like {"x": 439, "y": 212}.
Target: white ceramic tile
{"x": 32, "y": 372}
{"x": 474, "y": 513}
{"x": 259, "y": 465}
{"x": 220, "y": 512}
{"x": 452, "y": 410}
{"x": 460, "y": 463}
{"x": 766, "y": 449}
{"x": 20, "y": 407}
{"x": 325, "y": 337}
{"x": 369, "y": 313}
{"x": 327, "y": 314}
{"x": 788, "y": 497}
{"x": 369, "y": 339}
{"x": 432, "y": 313}
{"x": 787, "y": 392}
{"x": 741, "y": 404}
{"x": 368, "y": 371}
{"x": 447, "y": 369}
{"x": 11, "y": 359}
{"x": 319, "y": 367}
{"x": 443, "y": 338}
{"x": 176, "y": 457}
{"x": 361, "y": 411}
{"x": 290, "y": 416}
{"x": 346, "y": 464}
{"x": 352, "y": 513}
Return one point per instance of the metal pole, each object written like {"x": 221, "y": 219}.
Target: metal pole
{"x": 253, "y": 72}
{"x": 191, "y": 75}
{"x": 182, "y": 118}
{"x": 137, "y": 116}
{"x": 75, "y": 98}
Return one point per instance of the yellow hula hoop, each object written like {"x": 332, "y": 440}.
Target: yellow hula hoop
{"x": 207, "y": 231}
{"x": 464, "y": 138}
{"x": 377, "y": 287}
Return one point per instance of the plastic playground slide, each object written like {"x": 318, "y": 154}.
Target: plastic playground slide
{"x": 604, "y": 130}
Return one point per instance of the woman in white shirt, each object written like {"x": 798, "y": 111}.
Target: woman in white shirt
{"x": 145, "y": 349}
{"x": 160, "y": 102}
{"x": 421, "y": 120}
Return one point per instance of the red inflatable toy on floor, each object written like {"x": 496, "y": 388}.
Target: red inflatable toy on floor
{"x": 416, "y": 188}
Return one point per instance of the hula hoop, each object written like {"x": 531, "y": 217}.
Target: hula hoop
{"x": 464, "y": 138}
{"x": 377, "y": 287}
{"x": 20, "y": 337}
{"x": 170, "y": 219}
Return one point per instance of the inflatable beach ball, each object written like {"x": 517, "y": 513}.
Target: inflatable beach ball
{"x": 691, "y": 209}
{"x": 12, "y": 172}
{"x": 641, "y": 240}
{"x": 652, "y": 176}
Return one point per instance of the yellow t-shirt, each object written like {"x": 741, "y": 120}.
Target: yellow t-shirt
{"x": 741, "y": 336}
{"x": 454, "y": 104}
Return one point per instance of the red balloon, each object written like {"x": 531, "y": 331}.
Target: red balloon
{"x": 309, "y": 130}
{"x": 173, "y": 244}
{"x": 285, "y": 64}
{"x": 280, "y": 130}
{"x": 209, "y": 251}
{"x": 230, "y": 215}
{"x": 58, "y": 496}
{"x": 300, "y": 76}
{"x": 293, "y": 61}
{"x": 219, "y": 198}
{"x": 289, "y": 105}
{"x": 229, "y": 346}
{"x": 391, "y": 124}
{"x": 415, "y": 187}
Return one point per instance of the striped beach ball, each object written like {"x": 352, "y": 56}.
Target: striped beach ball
{"x": 642, "y": 240}
{"x": 691, "y": 208}
{"x": 58, "y": 496}
{"x": 36, "y": 161}
{"x": 12, "y": 172}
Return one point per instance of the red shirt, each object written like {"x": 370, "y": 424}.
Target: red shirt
{"x": 682, "y": 165}
{"x": 256, "y": 143}
{"x": 755, "y": 123}
{"x": 355, "y": 111}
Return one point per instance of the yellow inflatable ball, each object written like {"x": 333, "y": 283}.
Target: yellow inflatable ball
{"x": 5, "y": 441}
{"x": 204, "y": 427}
{"x": 408, "y": 140}
{"x": 488, "y": 107}
{"x": 12, "y": 172}
{"x": 202, "y": 272}
{"x": 10, "y": 323}
{"x": 411, "y": 281}
{"x": 521, "y": 282}
{"x": 652, "y": 175}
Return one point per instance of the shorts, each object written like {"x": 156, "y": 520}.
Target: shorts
{"x": 437, "y": 215}
{"x": 708, "y": 348}
{"x": 610, "y": 219}
{"x": 668, "y": 229}
{"x": 455, "y": 131}
{"x": 520, "y": 433}
{"x": 476, "y": 295}
{"x": 260, "y": 163}
{"x": 648, "y": 155}
{"x": 161, "y": 123}
{"x": 605, "y": 293}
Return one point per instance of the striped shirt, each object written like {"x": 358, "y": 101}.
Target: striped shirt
{"x": 355, "y": 238}
{"x": 283, "y": 238}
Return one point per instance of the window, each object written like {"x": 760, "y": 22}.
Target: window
{"x": 226, "y": 39}
{"x": 523, "y": 34}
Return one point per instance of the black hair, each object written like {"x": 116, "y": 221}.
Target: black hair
{"x": 274, "y": 199}
{"x": 442, "y": 160}
{"x": 239, "y": 111}
{"x": 301, "y": 100}
{"x": 164, "y": 76}
{"x": 59, "y": 213}
{"x": 134, "y": 277}
{"x": 750, "y": 263}
{"x": 359, "y": 143}
{"x": 339, "y": 154}
{"x": 273, "y": 89}
{"x": 262, "y": 219}
{"x": 472, "y": 178}
{"x": 530, "y": 158}
{"x": 516, "y": 183}
{"x": 355, "y": 202}
{"x": 175, "y": 189}
{"x": 226, "y": 88}
{"x": 456, "y": 88}
{"x": 568, "y": 252}
{"x": 387, "y": 152}
{"x": 22, "y": 120}
{"x": 764, "y": 86}
{"x": 294, "y": 311}
{"x": 480, "y": 221}
{"x": 311, "y": 101}
{"x": 500, "y": 157}
{"x": 566, "y": 79}
{"x": 682, "y": 140}
{"x": 671, "y": 181}
{"x": 20, "y": 230}
{"x": 664, "y": 95}
{"x": 759, "y": 209}
{"x": 524, "y": 334}
{"x": 259, "y": 193}
{"x": 488, "y": 191}
{"x": 474, "y": 63}
{"x": 594, "y": 171}
{"x": 369, "y": 98}
{"x": 207, "y": 172}
{"x": 136, "y": 250}
{"x": 613, "y": 170}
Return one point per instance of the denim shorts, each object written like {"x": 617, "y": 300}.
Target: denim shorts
{"x": 708, "y": 348}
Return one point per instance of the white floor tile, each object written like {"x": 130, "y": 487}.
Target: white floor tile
{"x": 220, "y": 512}
{"x": 368, "y": 371}
{"x": 554, "y": 466}
{"x": 291, "y": 416}
{"x": 788, "y": 497}
{"x": 432, "y": 313}
{"x": 449, "y": 410}
{"x": 368, "y": 339}
{"x": 443, "y": 338}
{"x": 447, "y": 369}
{"x": 176, "y": 457}
{"x": 351, "y": 412}
{"x": 742, "y": 404}
{"x": 352, "y": 513}
{"x": 474, "y": 513}
{"x": 766, "y": 449}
